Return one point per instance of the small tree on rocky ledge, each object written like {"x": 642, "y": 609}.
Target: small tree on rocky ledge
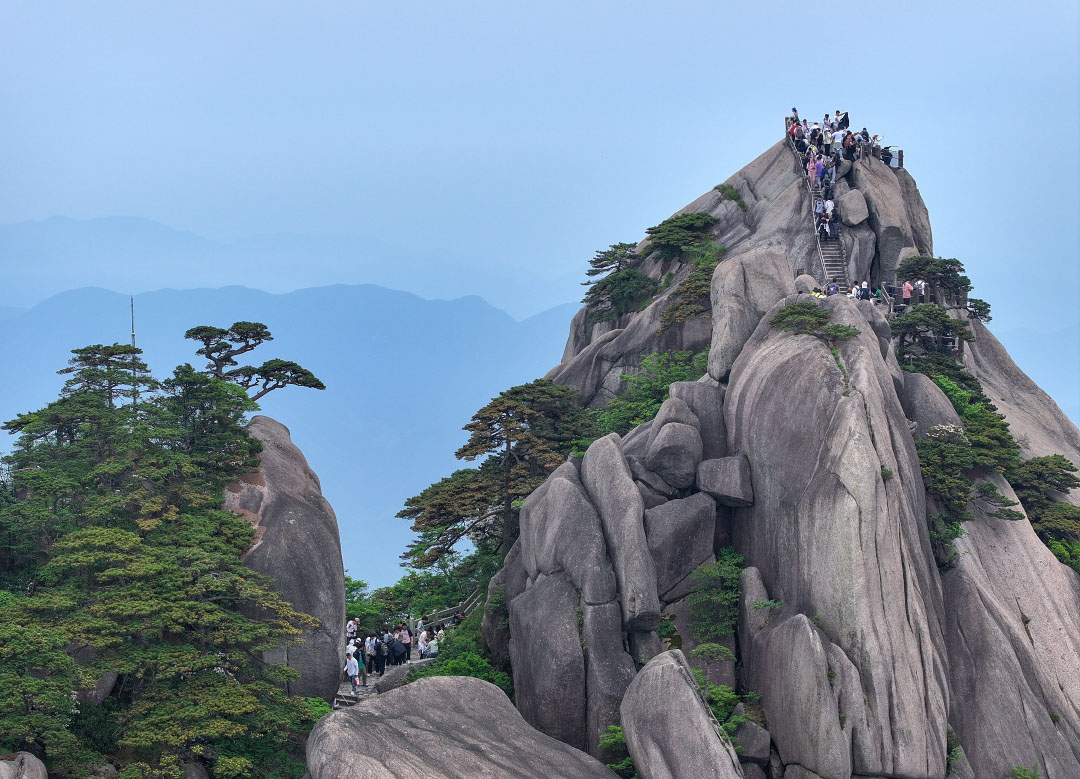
{"x": 221, "y": 347}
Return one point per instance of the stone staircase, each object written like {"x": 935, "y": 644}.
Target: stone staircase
{"x": 832, "y": 251}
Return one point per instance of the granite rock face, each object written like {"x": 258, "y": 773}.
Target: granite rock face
{"x": 444, "y": 727}
{"x": 863, "y": 652}
{"x": 685, "y": 740}
{"x": 1013, "y": 631}
{"x": 297, "y": 543}
{"x": 835, "y": 540}
{"x": 22, "y": 765}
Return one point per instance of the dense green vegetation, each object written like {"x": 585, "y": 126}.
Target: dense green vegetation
{"x": 647, "y": 389}
{"x": 691, "y": 297}
{"x": 673, "y": 237}
{"x": 953, "y": 460}
{"x": 114, "y": 550}
{"x": 619, "y": 293}
{"x": 614, "y": 741}
{"x": 714, "y": 596}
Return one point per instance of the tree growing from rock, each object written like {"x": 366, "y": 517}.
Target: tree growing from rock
{"x": 944, "y": 275}
{"x": 927, "y": 327}
{"x": 520, "y": 436}
{"x": 221, "y": 347}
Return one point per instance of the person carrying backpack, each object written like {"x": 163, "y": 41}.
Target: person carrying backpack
{"x": 832, "y": 288}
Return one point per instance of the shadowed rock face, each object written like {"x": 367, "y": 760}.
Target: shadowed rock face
{"x": 445, "y": 727}
{"x": 296, "y": 543}
{"x": 22, "y": 765}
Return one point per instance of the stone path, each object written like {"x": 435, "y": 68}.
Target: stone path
{"x": 390, "y": 679}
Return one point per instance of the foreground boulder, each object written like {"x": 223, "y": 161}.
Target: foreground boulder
{"x": 669, "y": 732}
{"x": 296, "y": 543}
{"x": 441, "y": 727}
{"x": 22, "y": 765}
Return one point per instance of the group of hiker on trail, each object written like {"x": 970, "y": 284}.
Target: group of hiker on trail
{"x": 824, "y": 146}
{"x": 373, "y": 652}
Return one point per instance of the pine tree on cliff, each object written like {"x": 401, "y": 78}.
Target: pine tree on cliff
{"x": 523, "y": 435}
{"x": 221, "y": 348}
{"x": 113, "y": 545}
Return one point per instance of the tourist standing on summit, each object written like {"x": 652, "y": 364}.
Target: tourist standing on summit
{"x": 907, "y": 289}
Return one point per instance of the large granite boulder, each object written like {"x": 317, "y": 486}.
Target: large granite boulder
{"x": 728, "y": 480}
{"x": 549, "y": 669}
{"x": 918, "y": 216}
{"x": 837, "y": 541}
{"x": 706, "y": 401}
{"x": 296, "y": 543}
{"x": 853, "y": 210}
{"x": 1013, "y": 631}
{"x": 670, "y": 734}
{"x": 507, "y": 584}
{"x": 680, "y": 534}
{"x": 925, "y": 404}
{"x": 888, "y": 213}
{"x": 674, "y": 454}
{"x": 22, "y": 765}
{"x": 744, "y": 287}
{"x": 443, "y": 727}
{"x": 610, "y": 486}
{"x": 561, "y": 531}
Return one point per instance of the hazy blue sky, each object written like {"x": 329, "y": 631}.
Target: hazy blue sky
{"x": 491, "y": 148}
{"x": 515, "y": 139}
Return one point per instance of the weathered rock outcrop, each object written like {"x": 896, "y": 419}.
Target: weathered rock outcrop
{"x": 444, "y": 727}
{"x": 836, "y": 541}
{"x": 297, "y": 543}
{"x": 863, "y": 652}
{"x": 1013, "y": 632}
{"x": 22, "y": 765}
{"x": 684, "y": 740}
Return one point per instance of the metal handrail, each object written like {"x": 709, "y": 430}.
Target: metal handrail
{"x": 810, "y": 191}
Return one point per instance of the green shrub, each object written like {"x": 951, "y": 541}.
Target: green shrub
{"x": 1025, "y": 773}
{"x": 647, "y": 389}
{"x": 714, "y": 596}
{"x": 691, "y": 298}
{"x": 466, "y": 664}
{"x": 615, "y": 741}
{"x": 619, "y": 293}
{"x": 672, "y": 237}
{"x": 730, "y": 193}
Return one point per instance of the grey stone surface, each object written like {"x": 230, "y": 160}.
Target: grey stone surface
{"x": 495, "y": 624}
{"x": 644, "y": 647}
{"x": 806, "y": 283}
{"x": 607, "y": 480}
{"x": 925, "y": 404}
{"x": 918, "y": 216}
{"x": 647, "y": 477}
{"x": 706, "y": 400}
{"x": 609, "y": 669}
{"x": 1013, "y": 630}
{"x": 195, "y": 771}
{"x": 685, "y": 741}
{"x": 752, "y": 771}
{"x": 650, "y": 498}
{"x": 833, "y": 539}
{"x": 888, "y": 212}
{"x": 744, "y": 287}
{"x": 445, "y": 727}
{"x": 296, "y": 543}
{"x": 727, "y": 479}
{"x": 685, "y": 640}
{"x": 635, "y": 442}
{"x": 853, "y": 210}
{"x": 674, "y": 454}
{"x": 22, "y": 765}
{"x": 561, "y": 531}
{"x": 798, "y": 772}
{"x": 548, "y": 663}
{"x": 860, "y": 246}
{"x": 673, "y": 410}
{"x": 680, "y": 535}
{"x": 394, "y": 675}
{"x": 753, "y": 742}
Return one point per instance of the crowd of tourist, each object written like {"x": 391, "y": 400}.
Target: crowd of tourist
{"x": 372, "y": 653}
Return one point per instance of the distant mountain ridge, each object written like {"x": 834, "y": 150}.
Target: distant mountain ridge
{"x": 403, "y": 375}
{"x": 46, "y": 257}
